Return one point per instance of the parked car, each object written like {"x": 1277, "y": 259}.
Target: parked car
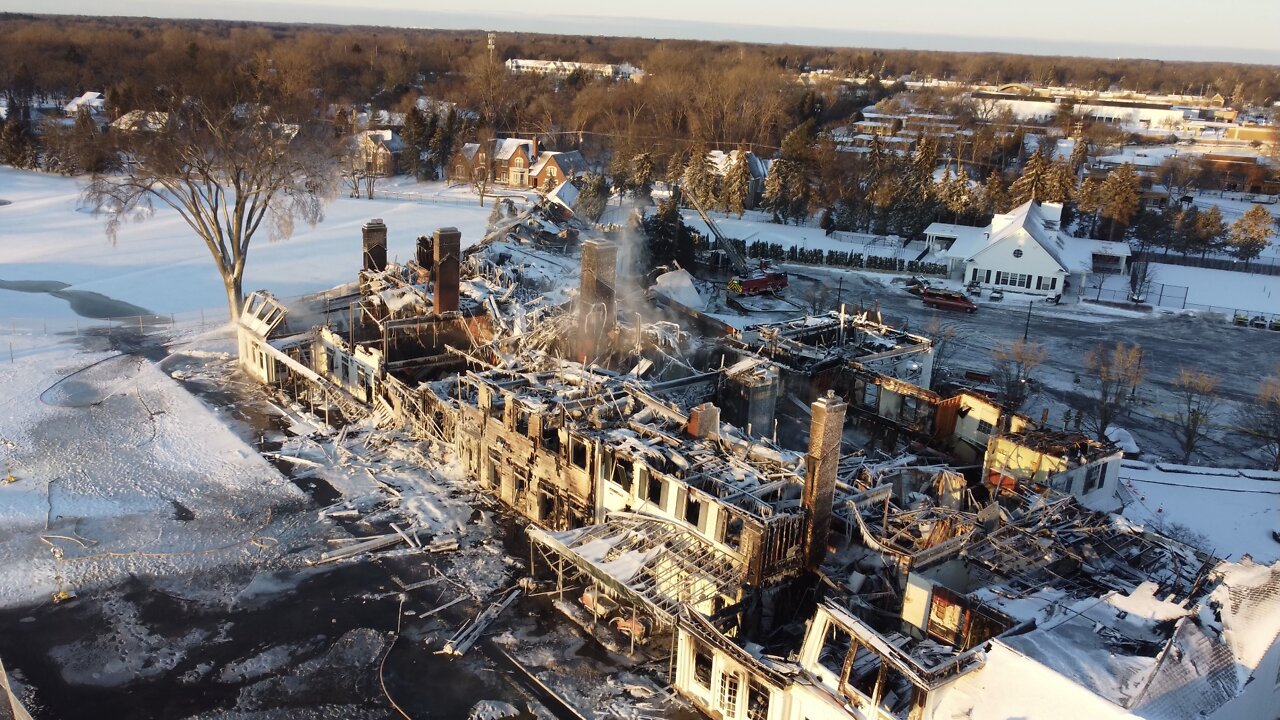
{"x": 947, "y": 300}
{"x": 1275, "y": 323}
{"x": 997, "y": 294}
{"x": 1241, "y": 320}
{"x": 1258, "y": 321}
{"x": 973, "y": 288}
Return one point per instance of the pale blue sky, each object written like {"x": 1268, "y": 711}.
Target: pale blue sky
{"x": 1235, "y": 30}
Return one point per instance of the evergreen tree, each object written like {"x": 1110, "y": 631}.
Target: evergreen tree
{"x": 959, "y": 196}
{"x": 700, "y": 178}
{"x": 1182, "y": 235}
{"x": 1210, "y": 229}
{"x": 995, "y": 199}
{"x": 642, "y": 173}
{"x": 593, "y": 195}
{"x": 1251, "y": 234}
{"x": 17, "y": 141}
{"x": 737, "y": 183}
{"x": 428, "y": 164}
{"x": 1061, "y": 184}
{"x": 1119, "y": 197}
{"x": 415, "y": 139}
{"x": 1089, "y": 200}
{"x": 1079, "y": 156}
{"x": 787, "y": 192}
{"x": 445, "y": 138}
{"x": 1034, "y": 183}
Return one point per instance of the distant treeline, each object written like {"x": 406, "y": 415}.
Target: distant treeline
{"x": 68, "y": 54}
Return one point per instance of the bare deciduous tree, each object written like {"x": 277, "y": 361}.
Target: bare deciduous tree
{"x": 225, "y": 168}
{"x": 1011, "y": 370}
{"x": 1260, "y": 418}
{"x": 943, "y": 336}
{"x": 1115, "y": 375}
{"x": 1197, "y": 404}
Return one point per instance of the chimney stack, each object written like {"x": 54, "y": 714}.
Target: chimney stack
{"x": 599, "y": 277}
{"x": 597, "y": 313}
{"x": 424, "y": 254}
{"x": 704, "y": 421}
{"x": 447, "y": 244}
{"x": 821, "y": 465}
{"x": 374, "y": 233}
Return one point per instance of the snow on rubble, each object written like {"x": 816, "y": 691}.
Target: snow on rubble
{"x": 127, "y": 474}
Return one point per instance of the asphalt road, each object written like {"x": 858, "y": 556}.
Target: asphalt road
{"x": 1239, "y": 357}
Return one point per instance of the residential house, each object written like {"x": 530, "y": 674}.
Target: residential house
{"x": 94, "y": 102}
{"x": 504, "y": 161}
{"x": 141, "y": 121}
{"x": 378, "y": 151}
{"x": 551, "y": 168}
{"x": 1025, "y": 250}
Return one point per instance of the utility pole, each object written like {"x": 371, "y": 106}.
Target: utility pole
{"x": 1027, "y": 328}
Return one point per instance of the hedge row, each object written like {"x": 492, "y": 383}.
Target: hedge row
{"x": 837, "y": 258}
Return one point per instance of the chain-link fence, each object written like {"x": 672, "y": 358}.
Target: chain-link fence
{"x": 1157, "y": 295}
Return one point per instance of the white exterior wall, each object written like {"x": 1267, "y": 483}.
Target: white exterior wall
{"x": 361, "y": 378}
{"x": 999, "y": 257}
{"x": 1133, "y": 117}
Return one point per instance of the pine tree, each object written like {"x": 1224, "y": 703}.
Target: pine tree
{"x": 700, "y": 178}
{"x": 1034, "y": 182}
{"x": 959, "y": 197}
{"x": 1089, "y": 200}
{"x": 1061, "y": 184}
{"x": 445, "y": 137}
{"x": 994, "y": 197}
{"x": 786, "y": 192}
{"x": 737, "y": 183}
{"x": 1079, "y": 156}
{"x": 413, "y": 136}
{"x": 1210, "y": 229}
{"x": 642, "y": 172}
{"x": 427, "y": 169}
{"x": 1119, "y": 196}
{"x": 593, "y": 195}
{"x": 1251, "y": 234}
{"x": 18, "y": 143}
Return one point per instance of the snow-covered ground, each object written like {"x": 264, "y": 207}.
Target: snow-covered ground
{"x": 46, "y": 234}
{"x": 1222, "y": 289}
{"x": 116, "y": 471}
{"x": 1227, "y": 512}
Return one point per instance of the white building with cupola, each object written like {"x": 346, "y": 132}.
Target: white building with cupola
{"x": 1025, "y": 250}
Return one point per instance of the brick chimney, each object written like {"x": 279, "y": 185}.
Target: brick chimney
{"x": 447, "y": 248}
{"x": 374, "y": 234}
{"x": 597, "y": 312}
{"x": 704, "y": 421}
{"x": 821, "y": 464}
{"x": 424, "y": 256}
{"x": 599, "y": 277}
